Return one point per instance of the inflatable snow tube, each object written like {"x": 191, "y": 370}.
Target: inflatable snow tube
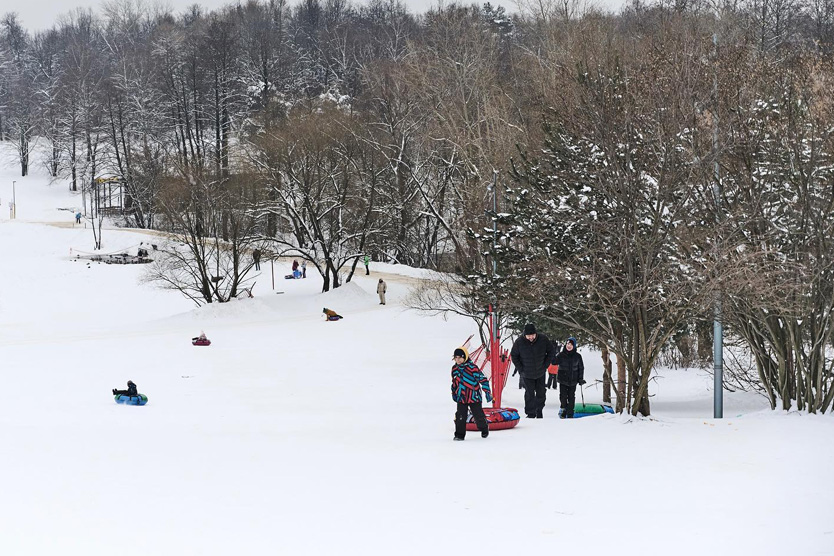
{"x": 590, "y": 409}
{"x": 201, "y": 342}
{"x": 497, "y": 419}
{"x": 140, "y": 399}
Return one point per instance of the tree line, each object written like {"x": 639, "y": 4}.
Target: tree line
{"x": 651, "y": 167}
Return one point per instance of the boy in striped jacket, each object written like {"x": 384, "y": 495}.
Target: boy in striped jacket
{"x": 467, "y": 382}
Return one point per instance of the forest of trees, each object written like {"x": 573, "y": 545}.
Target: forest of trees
{"x": 650, "y": 165}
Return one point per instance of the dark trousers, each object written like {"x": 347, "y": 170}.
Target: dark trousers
{"x": 552, "y": 380}
{"x": 367, "y": 270}
{"x": 567, "y": 398}
{"x": 535, "y": 394}
{"x": 257, "y": 264}
{"x": 463, "y": 412}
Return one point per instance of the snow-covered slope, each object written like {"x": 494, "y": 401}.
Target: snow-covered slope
{"x": 291, "y": 435}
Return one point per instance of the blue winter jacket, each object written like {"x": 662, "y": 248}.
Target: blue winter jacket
{"x": 467, "y": 382}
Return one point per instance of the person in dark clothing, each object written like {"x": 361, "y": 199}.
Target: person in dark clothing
{"x": 553, "y": 369}
{"x": 531, "y": 355}
{"x": 256, "y": 258}
{"x": 131, "y": 390}
{"x": 571, "y": 373}
{"x": 467, "y": 383}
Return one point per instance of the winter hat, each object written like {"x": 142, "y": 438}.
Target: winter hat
{"x": 461, "y": 352}
{"x": 529, "y": 328}
{"x": 573, "y": 341}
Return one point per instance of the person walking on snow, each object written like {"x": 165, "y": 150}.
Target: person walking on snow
{"x": 381, "y": 287}
{"x": 553, "y": 369}
{"x": 531, "y": 355}
{"x": 256, "y": 258}
{"x": 304, "y": 268}
{"x": 571, "y": 373}
{"x": 367, "y": 260}
{"x": 78, "y": 218}
{"x": 467, "y": 383}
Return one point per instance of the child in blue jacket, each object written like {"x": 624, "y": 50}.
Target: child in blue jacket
{"x": 467, "y": 383}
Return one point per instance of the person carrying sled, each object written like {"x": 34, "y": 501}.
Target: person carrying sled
{"x": 381, "y": 288}
{"x": 531, "y": 354}
{"x": 571, "y": 373}
{"x": 553, "y": 369}
{"x": 331, "y": 314}
{"x": 131, "y": 390}
{"x": 367, "y": 260}
{"x": 467, "y": 383}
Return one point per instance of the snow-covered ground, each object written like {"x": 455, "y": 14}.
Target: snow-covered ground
{"x": 291, "y": 435}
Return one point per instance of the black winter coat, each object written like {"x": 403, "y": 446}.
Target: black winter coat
{"x": 571, "y": 367}
{"x": 532, "y": 359}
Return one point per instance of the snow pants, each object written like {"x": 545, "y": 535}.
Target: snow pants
{"x": 463, "y": 412}
{"x": 567, "y": 398}
{"x": 535, "y": 395}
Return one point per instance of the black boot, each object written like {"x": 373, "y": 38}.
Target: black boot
{"x": 484, "y": 434}
{"x": 539, "y": 415}
{"x": 459, "y": 438}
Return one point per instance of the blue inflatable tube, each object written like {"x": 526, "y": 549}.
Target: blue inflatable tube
{"x": 141, "y": 399}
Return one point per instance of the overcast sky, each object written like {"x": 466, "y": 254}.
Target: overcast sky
{"x": 41, "y": 14}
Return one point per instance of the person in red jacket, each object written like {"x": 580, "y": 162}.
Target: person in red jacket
{"x": 467, "y": 383}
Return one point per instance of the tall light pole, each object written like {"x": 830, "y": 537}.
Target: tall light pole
{"x": 14, "y": 201}
{"x": 717, "y": 326}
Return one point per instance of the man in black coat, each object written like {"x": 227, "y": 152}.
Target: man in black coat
{"x": 531, "y": 355}
{"x": 571, "y": 373}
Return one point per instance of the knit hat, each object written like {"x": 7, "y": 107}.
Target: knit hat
{"x": 529, "y": 328}
{"x": 572, "y": 340}
{"x": 461, "y": 352}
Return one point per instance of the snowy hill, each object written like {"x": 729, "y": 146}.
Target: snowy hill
{"x": 292, "y": 435}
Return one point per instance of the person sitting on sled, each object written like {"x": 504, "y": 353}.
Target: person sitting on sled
{"x": 331, "y": 314}
{"x": 201, "y": 337}
{"x": 131, "y": 390}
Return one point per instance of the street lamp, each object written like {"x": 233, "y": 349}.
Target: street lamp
{"x": 14, "y": 201}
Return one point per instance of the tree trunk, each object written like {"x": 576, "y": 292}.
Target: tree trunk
{"x": 606, "y": 374}
{"x": 621, "y": 383}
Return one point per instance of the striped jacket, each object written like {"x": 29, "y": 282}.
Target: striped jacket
{"x": 467, "y": 382}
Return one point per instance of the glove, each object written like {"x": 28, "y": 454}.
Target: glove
{"x": 114, "y": 391}
{"x": 489, "y": 399}
{"x": 515, "y": 371}
{"x": 581, "y": 381}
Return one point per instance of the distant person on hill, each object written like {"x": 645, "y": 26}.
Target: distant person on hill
{"x": 131, "y": 390}
{"x": 295, "y": 272}
{"x": 367, "y": 260}
{"x": 78, "y": 218}
{"x": 571, "y": 373}
{"x": 467, "y": 383}
{"x": 531, "y": 354}
{"x": 304, "y": 268}
{"x": 331, "y": 314}
{"x": 256, "y": 258}
{"x": 381, "y": 288}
